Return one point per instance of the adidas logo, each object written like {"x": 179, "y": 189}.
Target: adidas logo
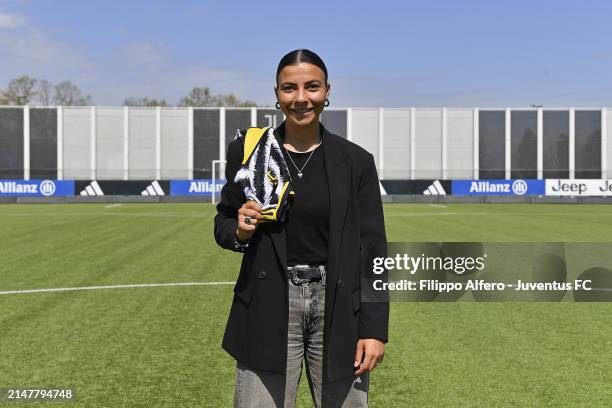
{"x": 153, "y": 189}
{"x": 93, "y": 189}
{"x": 435, "y": 189}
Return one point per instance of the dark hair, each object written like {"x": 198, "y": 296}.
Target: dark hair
{"x": 302, "y": 55}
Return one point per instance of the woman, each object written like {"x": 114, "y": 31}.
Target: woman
{"x": 302, "y": 292}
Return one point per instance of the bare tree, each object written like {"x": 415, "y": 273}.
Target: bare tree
{"x": 20, "y": 91}
{"x": 44, "y": 92}
{"x": 68, "y": 94}
{"x": 144, "y": 101}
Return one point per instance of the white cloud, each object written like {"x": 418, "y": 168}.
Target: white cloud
{"x": 172, "y": 80}
{"x": 153, "y": 70}
{"x": 30, "y": 51}
{"x": 143, "y": 53}
{"x": 10, "y": 21}
{"x": 138, "y": 68}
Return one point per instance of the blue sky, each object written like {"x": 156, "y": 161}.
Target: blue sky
{"x": 378, "y": 53}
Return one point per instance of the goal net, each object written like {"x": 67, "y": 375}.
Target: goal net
{"x": 218, "y": 179}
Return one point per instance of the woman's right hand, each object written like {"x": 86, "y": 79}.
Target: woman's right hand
{"x": 249, "y": 209}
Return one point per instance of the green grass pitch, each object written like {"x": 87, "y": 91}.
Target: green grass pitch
{"x": 160, "y": 346}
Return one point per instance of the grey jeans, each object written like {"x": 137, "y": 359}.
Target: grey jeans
{"x": 255, "y": 388}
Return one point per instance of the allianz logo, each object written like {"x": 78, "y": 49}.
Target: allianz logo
{"x": 518, "y": 187}
{"x": 204, "y": 187}
{"x": 46, "y": 187}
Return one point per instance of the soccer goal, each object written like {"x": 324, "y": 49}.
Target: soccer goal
{"x": 218, "y": 168}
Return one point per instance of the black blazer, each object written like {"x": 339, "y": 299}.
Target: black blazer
{"x": 256, "y": 332}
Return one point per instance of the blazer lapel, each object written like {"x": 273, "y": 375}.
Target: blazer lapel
{"x": 339, "y": 182}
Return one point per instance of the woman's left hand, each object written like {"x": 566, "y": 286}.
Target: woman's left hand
{"x": 368, "y": 355}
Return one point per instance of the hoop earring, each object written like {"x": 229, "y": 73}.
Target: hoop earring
{"x": 326, "y": 102}
{"x": 277, "y": 105}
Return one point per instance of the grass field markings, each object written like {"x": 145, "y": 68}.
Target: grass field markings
{"x": 139, "y": 285}
{"x": 178, "y": 215}
{"x": 113, "y": 205}
{"x": 433, "y": 214}
{"x": 494, "y": 214}
{"x": 438, "y": 205}
{"x": 93, "y": 214}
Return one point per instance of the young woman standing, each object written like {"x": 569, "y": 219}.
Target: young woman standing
{"x": 299, "y": 294}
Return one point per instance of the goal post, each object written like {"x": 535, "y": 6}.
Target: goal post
{"x": 215, "y": 181}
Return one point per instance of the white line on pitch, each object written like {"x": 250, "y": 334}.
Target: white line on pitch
{"x": 113, "y": 205}
{"x": 421, "y": 214}
{"x": 92, "y": 214}
{"x": 140, "y": 285}
{"x": 438, "y": 205}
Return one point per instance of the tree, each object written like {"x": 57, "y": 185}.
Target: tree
{"x": 68, "y": 94}
{"x": 198, "y": 97}
{"x": 20, "y": 91}
{"x": 231, "y": 100}
{"x": 26, "y": 90}
{"x": 201, "y": 96}
{"x": 44, "y": 92}
{"x": 144, "y": 101}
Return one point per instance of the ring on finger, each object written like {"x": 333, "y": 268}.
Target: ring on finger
{"x": 247, "y": 219}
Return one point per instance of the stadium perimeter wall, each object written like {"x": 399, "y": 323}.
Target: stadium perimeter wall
{"x": 131, "y": 143}
{"x": 397, "y": 199}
